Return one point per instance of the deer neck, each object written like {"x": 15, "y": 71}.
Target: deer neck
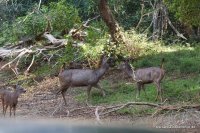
{"x": 129, "y": 72}
{"x": 100, "y": 72}
{"x": 16, "y": 95}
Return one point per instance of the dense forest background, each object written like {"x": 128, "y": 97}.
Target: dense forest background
{"x": 165, "y": 21}
{"x": 20, "y": 19}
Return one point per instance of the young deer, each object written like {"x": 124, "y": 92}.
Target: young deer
{"x": 82, "y": 77}
{"x": 144, "y": 76}
{"x": 9, "y": 98}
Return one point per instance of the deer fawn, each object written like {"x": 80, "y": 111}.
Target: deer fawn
{"x": 10, "y": 98}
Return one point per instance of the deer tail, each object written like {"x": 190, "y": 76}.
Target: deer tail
{"x": 162, "y": 63}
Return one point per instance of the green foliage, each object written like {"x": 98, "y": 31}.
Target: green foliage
{"x": 63, "y": 16}
{"x": 30, "y": 25}
{"x": 182, "y": 89}
{"x": 6, "y": 35}
{"x": 97, "y": 30}
{"x": 86, "y": 8}
{"x": 186, "y": 11}
{"x": 130, "y": 15}
{"x": 137, "y": 45}
{"x": 179, "y": 61}
{"x": 70, "y": 54}
{"x": 44, "y": 70}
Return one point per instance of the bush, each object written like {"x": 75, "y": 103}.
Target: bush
{"x": 61, "y": 16}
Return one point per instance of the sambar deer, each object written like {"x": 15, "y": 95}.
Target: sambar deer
{"x": 82, "y": 77}
{"x": 144, "y": 76}
{"x": 10, "y": 98}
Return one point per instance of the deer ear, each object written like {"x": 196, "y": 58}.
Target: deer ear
{"x": 104, "y": 58}
{"x": 14, "y": 86}
{"x": 126, "y": 61}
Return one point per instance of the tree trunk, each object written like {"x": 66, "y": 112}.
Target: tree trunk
{"x": 159, "y": 20}
{"x": 116, "y": 35}
{"x": 155, "y": 24}
{"x": 108, "y": 18}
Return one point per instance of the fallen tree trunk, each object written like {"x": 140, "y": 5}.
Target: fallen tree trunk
{"x": 25, "y": 48}
{"x": 16, "y": 52}
{"x": 101, "y": 111}
{"x": 53, "y": 40}
{"x": 4, "y": 52}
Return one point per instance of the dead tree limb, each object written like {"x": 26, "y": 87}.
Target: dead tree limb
{"x": 101, "y": 111}
{"x": 20, "y": 53}
{"x": 160, "y": 107}
{"x": 161, "y": 20}
{"x": 27, "y": 47}
{"x": 117, "y": 107}
{"x": 53, "y": 40}
{"x": 164, "y": 9}
{"x": 78, "y": 34}
{"x": 142, "y": 14}
{"x": 28, "y": 69}
{"x": 175, "y": 30}
{"x": 97, "y": 115}
{"x": 83, "y": 26}
{"x": 39, "y": 4}
{"x": 174, "y": 108}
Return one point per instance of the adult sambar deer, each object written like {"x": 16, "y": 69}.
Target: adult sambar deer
{"x": 82, "y": 77}
{"x": 144, "y": 76}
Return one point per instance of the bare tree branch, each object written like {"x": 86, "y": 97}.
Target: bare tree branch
{"x": 28, "y": 69}
{"x": 117, "y": 107}
{"x": 142, "y": 14}
{"x": 53, "y": 40}
{"x": 97, "y": 115}
{"x": 39, "y": 4}
{"x": 21, "y": 52}
{"x": 175, "y": 30}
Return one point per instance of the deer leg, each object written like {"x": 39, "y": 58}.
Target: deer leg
{"x": 63, "y": 92}
{"x": 142, "y": 87}
{"x": 158, "y": 91}
{"x": 14, "y": 110}
{"x": 88, "y": 92}
{"x": 3, "y": 106}
{"x": 138, "y": 90}
{"x": 10, "y": 111}
{"x": 101, "y": 89}
{"x": 5, "y": 110}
